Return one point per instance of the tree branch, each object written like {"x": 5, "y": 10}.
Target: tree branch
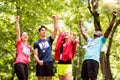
{"x": 95, "y": 14}
{"x": 89, "y": 7}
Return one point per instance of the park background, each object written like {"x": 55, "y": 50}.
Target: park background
{"x": 96, "y": 15}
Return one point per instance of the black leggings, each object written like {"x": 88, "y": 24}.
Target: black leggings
{"x": 21, "y": 71}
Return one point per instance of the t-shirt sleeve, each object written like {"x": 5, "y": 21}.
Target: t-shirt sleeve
{"x": 51, "y": 40}
{"x": 18, "y": 43}
{"x": 35, "y": 46}
{"x": 31, "y": 49}
{"x": 103, "y": 39}
{"x": 89, "y": 39}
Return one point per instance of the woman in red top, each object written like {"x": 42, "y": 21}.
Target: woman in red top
{"x": 23, "y": 53}
{"x": 64, "y": 52}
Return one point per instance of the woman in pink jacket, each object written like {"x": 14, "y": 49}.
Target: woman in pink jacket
{"x": 64, "y": 52}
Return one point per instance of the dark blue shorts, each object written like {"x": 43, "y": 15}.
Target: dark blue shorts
{"x": 90, "y": 69}
{"x": 45, "y": 70}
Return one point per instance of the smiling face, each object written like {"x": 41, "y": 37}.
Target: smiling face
{"x": 67, "y": 34}
{"x": 24, "y": 36}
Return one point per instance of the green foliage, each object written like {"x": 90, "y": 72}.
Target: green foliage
{"x": 34, "y": 13}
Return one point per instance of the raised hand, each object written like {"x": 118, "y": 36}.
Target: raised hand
{"x": 54, "y": 33}
{"x": 80, "y": 21}
{"x": 54, "y": 17}
{"x": 17, "y": 29}
{"x": 74, "y": 35}
{"x": 115, "y": 13}
{"x": 82, "y": 30}
{"x": 17, "y": 18}
{"x": 107, "y": 32}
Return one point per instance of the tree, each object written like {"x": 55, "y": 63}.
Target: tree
{"x": 34, "y": 13}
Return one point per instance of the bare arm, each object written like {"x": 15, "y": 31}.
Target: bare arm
{"x": 40, "y": 62}
{"x": 74, "y": 36}
{"x": 30, "y": 55}
{"x": 55, "y": 27}
{"x": 17, "y": 29}
{"x": 107, "y": 32}
{"x": 84, "y": 34}
{"x": 59, "y": 29}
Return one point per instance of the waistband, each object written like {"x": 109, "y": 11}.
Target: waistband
{"x": 64, "y": 62}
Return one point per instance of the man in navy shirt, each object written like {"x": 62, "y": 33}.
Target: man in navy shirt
{"x": 43, "y": 52}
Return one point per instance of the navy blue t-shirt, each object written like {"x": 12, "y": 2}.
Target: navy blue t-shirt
{"x": 44, "y": 49}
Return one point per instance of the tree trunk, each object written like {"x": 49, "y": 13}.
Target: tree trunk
{"x": 77, "y": 75}
{"x": 105, "y": 67}
{"x": 95, "y": 14}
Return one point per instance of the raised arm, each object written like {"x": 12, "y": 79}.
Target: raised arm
{"x": 55, "y": 27}
{"x": 74, "y": 36}
{"x": 59, "y": 30}
{"x": 107, "y": 32}
{"x": 84, "y": 34}
{"x": 17, "y": 29}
